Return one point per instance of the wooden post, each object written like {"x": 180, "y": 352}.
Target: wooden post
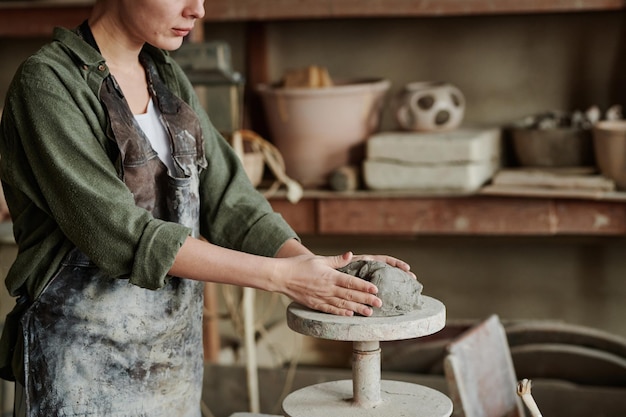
{"x": 210, "y": 324}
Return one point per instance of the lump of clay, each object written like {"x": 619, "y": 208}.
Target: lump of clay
{"x": 399, "y": 291}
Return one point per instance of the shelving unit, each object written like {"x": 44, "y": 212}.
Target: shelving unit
{"x": 372, "y": 213}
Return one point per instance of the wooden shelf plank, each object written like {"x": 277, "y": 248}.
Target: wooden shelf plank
{"x": 474, "y": 215}
{"x": 301, "y": 216}
{"x": 38, "y": 18}
{"x": 38, "y": 22}
{"x": 324, "y": 9}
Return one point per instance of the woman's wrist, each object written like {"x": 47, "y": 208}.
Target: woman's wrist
{"x": 292, "y": 247}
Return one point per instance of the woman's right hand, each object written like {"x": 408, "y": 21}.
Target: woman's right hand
{"x": 296, "y": 272}
{"x": 314, "y": 281}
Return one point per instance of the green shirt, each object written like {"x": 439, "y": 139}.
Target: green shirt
{"x": 61, "y": 177}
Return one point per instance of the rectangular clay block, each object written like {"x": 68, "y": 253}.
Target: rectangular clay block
{"x": 460, "y": 160}
{"x": 467, "y": 177}
{"x": 459, "y": 145}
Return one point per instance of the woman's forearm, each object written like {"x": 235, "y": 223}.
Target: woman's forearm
{"x": 295, "y": 272}
{"x": 203, "y": 261}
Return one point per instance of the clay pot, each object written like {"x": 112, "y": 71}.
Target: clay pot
{"x": 555, "y": 147}
{"x": 609, "y": 142}
{"x": 318, "y": 130}
{"x": 429, "y": 106}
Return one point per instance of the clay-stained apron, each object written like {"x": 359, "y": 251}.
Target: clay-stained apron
{"x": 99, "y": 346}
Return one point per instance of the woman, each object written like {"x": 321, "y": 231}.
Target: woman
{"x": 112, "y": 172}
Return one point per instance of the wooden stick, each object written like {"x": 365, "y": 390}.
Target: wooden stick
{"x": 523, "y": 390}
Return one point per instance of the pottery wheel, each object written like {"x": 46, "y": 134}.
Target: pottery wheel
{"x": 399, "y": 399}
{"x": 366, "y": 395}
{"x": 428, "y": 319}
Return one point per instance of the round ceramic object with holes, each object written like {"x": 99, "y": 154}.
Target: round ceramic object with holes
{"x": 430, "y": 106}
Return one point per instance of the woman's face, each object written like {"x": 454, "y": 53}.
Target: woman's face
{"x": 161, "y": 23}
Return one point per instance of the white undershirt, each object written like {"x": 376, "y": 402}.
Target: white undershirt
{"x": 153, "y": 128}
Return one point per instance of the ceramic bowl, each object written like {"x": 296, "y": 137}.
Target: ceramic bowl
{"x": 554, "y": 147}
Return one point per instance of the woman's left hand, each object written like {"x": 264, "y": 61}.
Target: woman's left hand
{"x": 390, "y": 260}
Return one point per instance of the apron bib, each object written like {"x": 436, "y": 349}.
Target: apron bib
{"x": 99, "y": 346}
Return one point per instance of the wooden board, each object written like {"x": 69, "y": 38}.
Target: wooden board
{"x": 546, "y": 179}
{"x": 480, "y": 374}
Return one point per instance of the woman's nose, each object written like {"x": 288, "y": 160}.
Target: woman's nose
{"x": 195, "y": 9}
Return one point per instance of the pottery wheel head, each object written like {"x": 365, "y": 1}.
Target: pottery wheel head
{"x": 399, "y": 291}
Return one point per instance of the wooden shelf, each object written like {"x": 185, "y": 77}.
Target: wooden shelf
{"x": 325, "y": 9}
{"x": 38, "y": 18}
{"x": 385, "y": 215}
{"x": 379, "y": 214}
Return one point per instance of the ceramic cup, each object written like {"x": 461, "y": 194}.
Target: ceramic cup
{"x": 429, "y": 106}
{"x": 609, "y": 142}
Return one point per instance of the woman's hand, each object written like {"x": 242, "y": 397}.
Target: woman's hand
{"x": 296, "y": 272}
{"x": 315, "y": 282}
{"x": 294, "y": 248}
{"x": 390, "y": 260}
